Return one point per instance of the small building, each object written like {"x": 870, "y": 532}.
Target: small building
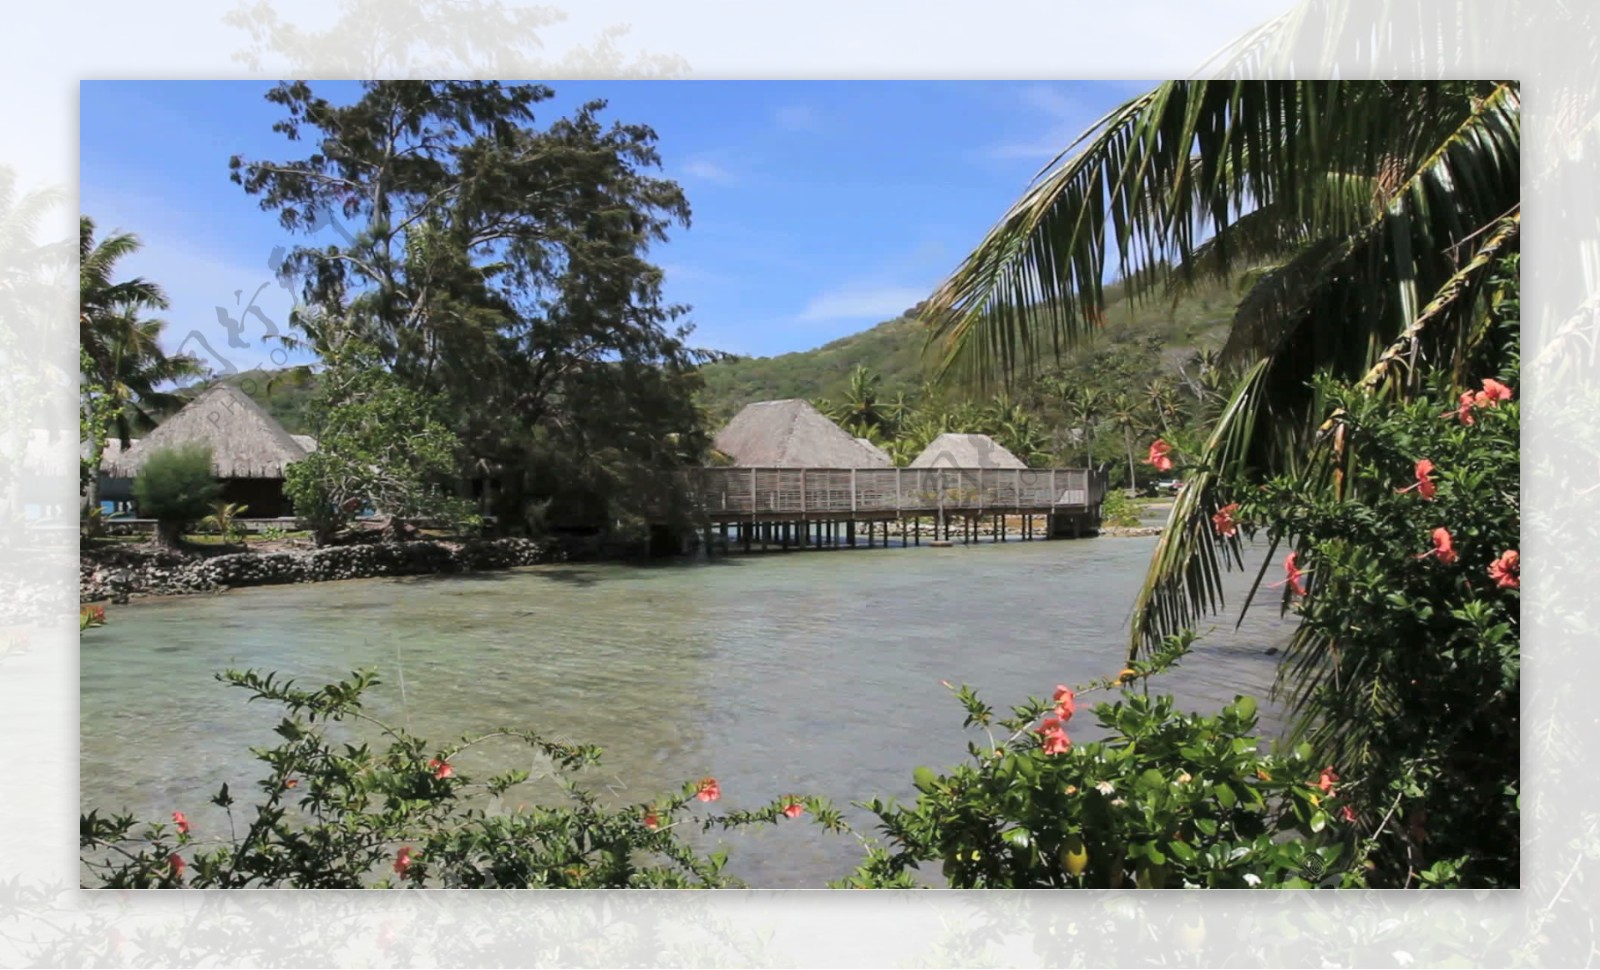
{"x": 792, "y": 434}
{"x": 249, "y": 448}
{"x": 966, "y": 451}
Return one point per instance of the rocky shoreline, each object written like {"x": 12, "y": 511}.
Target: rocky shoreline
{"x": 117, "y": 573}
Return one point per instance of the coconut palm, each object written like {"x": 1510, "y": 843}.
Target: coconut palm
{"x": 1375, "y": 213}
{"x": 119, "y": 339}
{"x": 862, "y": 411}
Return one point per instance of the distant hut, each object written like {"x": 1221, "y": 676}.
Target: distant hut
{"x": 792, "y": 434}
{"x": 966, "y": 451}
{"x": 249, "y": 448}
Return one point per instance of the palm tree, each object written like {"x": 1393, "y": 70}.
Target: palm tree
{"x": 861, "y": 411}
{"x": 1376, "y": 212}
{"x": 1127, "y": 413}
{"x": 122, "y": 356}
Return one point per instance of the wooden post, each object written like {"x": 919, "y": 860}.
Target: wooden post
{"x": 850, "y": 528}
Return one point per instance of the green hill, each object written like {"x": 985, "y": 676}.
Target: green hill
{"x": 1196, "y": 321}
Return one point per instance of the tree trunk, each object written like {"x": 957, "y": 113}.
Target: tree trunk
{"x": 1133, "y": 483}
{"x": 169, "y": 533}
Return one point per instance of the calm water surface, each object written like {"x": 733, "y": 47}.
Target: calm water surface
{"x": 814, "y": 672}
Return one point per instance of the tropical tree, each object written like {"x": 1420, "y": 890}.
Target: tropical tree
{"x": 862, "y": 410}
{"x": 500, "y": 267}
{"x": 1376, "y": 210}
{"x": 126, "y": 375}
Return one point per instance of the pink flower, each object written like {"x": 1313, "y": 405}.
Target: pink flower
{"x": 1443, "y": 547}
{"x": 1055, "y": 739}
{"x": 794, "y": 809}
{"x": 1493, "y": 393}
{"x": 1293, "y": 575}
{"x": 1326, "y": 779}
{"x": 1065, "y": 702}
{"x": 1347, "y": 813}
{"x": 1507, "y": 570}
{"x": 181, "y": 822}
{"x": 1224, "y": 522}
{"x": 402, "y": 861}
{"x": 651, "y": 822}
{"x": 176, "y": 862}
{"x": 1424, "y": 485}
{"x": 441, "y": 769}
{"x": 709, "y": 791}
{"x": 1158, "y": 455}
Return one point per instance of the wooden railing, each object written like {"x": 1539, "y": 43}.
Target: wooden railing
{"x": 838, "y": 492}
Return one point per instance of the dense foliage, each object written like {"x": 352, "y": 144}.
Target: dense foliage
{"x": 175, "y": 486}
{"x": 380, "y": 445}
{"x": 1167, "y": 800}
{"x": 1406, "y": 666}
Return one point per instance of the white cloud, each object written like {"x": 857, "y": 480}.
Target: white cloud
{"x": 797, "y": 117}
{"x": 861, "y": 302}
{"x": 701, "y": 167}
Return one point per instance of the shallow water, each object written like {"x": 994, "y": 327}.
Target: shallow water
{"x": 814, "y": 672}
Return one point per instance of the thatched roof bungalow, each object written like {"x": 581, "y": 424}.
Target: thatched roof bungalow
{"x": 249, "y": 448}
{"x": 792, "y": 434}
{"x": 966, "y": 451}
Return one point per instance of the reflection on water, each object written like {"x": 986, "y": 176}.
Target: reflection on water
{"x": 815, "y": 672}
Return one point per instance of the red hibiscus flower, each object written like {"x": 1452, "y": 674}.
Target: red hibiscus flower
{"x": 402, "y": 861}
{"x": 176, "y": 862}
{"x": 1444, "y": 547}
{"x": 1293, "y": 575}
{"x": 1493, "y": 392}
{"x": 1326, "y": 779}
{"x": 1065, "y": 702}
{"x": 794, "y": 809}
{"x": 181, "y": 822}
{"x": 441, "y": 769}
{"x": 1424, "y": 484}
{"x": 1507, "y": 570}
{"x": 709, "y": 791}
{"x": 1055, "y": 739}
{"x": 1224, "y": 522}
{"x": 1158, "y": 457}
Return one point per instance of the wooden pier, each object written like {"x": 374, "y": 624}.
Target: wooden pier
{"x": 823, "y": 507}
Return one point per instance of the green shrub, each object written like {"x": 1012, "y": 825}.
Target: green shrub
{"x": 1168, "y": 800}
{"x": 176, "y": 487}
{"x": 1118, "y": 510}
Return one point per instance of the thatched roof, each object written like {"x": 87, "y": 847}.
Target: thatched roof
{"x": 966, "y": 451}
{"x": 867, "y": 444}
{"x": 792, "y": 434}
{"x": 246, "y": 442}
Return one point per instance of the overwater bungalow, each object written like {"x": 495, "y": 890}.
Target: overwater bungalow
{"x": 249, "y": 450}
{"x": 793, "y": 434}
{"x": 966, "y": 451}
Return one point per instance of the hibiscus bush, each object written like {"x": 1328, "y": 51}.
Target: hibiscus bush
{"x": 342, "y": 813}
{"x": 1404, "y": 569}
{"x": 1166, "y": 800}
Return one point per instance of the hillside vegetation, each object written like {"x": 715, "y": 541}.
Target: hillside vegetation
{"x": 894, "y": 351}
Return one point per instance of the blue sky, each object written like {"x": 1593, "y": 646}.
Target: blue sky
{"x": 820, "y": 208}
